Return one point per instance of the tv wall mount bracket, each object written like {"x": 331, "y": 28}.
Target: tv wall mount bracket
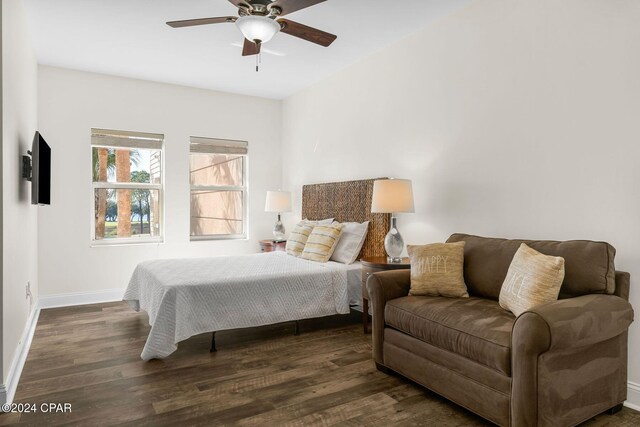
{"x": 26, "y": 166}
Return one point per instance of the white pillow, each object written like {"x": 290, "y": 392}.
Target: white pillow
{"x": 320, "y": 221}
{"x": 350, "y": 243}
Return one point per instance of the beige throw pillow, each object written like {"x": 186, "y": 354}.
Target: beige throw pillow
{"x": 298, "y": 237}
{"x": 533, "y": 279}
{"x": 322, "y": 242}
{"x": 437, "y": 269}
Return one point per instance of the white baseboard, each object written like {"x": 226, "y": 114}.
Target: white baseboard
{"x": 633, "y": 396}
{"x": 80, "y": 298}
{"x": 8, "y": 390}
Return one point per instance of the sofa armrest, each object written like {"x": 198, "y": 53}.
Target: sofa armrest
{"x": 558, "y": 325}
{"x": 584, "y": 320}
{"x": 383, "y": 287}
{"x": 623, "y": 280}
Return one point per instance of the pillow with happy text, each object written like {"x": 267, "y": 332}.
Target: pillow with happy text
{"x": 437, "y": 270}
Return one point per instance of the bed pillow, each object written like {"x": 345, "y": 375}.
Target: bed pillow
{"x": 350, "y": 243}
{"x": 438, "y": 270}
{"x": 322, "y": 242}
{"x": 298, "y": 237}
{"x": 320, "y": 221}
{"x": 533, "y": 279}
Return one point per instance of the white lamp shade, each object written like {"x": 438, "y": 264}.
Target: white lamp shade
{"x": 258, "y": 28}
{"x": 392, "y": 195}
{"x": 278, "y": 201}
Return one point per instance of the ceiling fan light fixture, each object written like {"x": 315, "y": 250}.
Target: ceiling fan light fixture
{"x": 257, "y": 28}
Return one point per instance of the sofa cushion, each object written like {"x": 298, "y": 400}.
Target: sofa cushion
{"x": 437, "y": 270}
{"x": 476, "y": 328}
{"x": 533, "y": 279}
{"x": 589, "y": 266}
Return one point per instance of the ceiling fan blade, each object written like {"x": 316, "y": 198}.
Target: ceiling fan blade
{"x": 290, "y": 6}
{"x": 306, "y": 33}
{"x": 250, "y": 48}
{"x": 201, "y": 21}
{"x": 237, "y": 3}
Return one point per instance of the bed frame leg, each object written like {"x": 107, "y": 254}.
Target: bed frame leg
{"x": 213, "y": 343}
{"x": 296, "y": 331}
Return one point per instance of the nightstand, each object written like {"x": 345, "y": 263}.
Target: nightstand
{"x": 272, "y": 245}
{"x": 372, "y": 265}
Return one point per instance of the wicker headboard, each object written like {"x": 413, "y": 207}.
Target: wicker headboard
{"x": 348, "y": 201}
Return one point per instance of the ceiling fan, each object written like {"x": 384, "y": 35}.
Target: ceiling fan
{"x": 260, "y": 20}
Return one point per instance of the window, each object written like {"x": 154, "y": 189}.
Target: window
{"x": 218, "y": 177}
{"x": 127, "y": 186}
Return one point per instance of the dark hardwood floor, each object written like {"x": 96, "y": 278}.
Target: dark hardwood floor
{"x": 89, "y": 356}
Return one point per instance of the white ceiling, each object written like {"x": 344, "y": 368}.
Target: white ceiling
{"x": 129, "y": 38}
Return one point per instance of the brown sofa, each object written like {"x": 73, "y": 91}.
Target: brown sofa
{"x": 557, "y": 364}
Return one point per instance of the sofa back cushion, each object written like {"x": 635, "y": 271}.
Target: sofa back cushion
{"x": 589, "y": 266}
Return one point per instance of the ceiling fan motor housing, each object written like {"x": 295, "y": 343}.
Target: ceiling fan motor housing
{"x": 259, "y": 7}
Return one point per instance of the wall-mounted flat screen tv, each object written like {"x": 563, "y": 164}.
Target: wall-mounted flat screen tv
{"x": 41, "y": 172}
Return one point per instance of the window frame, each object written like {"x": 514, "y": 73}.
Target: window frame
{"x": 244, "y": 188}
{"x": 95, "y": 185}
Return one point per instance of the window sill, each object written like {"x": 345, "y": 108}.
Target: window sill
{"x": 126, "y": 242}
{"x": 217, "y": 238}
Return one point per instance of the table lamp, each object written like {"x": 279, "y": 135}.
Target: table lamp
{"x": 392, "y": 196}
{"x": 278, "y": 202}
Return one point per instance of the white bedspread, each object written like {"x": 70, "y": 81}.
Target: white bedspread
{"x": 186, "y": 297}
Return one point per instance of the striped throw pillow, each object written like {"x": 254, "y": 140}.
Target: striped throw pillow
{"x": 298, "y": 237}
{"x": 322, "y": 242}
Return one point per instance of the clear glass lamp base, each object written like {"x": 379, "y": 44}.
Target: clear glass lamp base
{"x": 278, "y": 231}
{"x": 393, "y": 243}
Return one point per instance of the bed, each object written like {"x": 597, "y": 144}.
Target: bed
{"x": 186, "y": 297}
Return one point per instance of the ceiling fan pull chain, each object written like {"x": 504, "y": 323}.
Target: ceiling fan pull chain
{"x": 258, "y": 56}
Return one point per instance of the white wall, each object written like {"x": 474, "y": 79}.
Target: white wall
{"x": 19, "y": 219}
{"x": 513, "y": 118}
{"x": 72, "y": 102}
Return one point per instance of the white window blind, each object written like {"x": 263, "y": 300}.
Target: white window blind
{"x": 120, "y": 138}
{"x": 218, "y": 146}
